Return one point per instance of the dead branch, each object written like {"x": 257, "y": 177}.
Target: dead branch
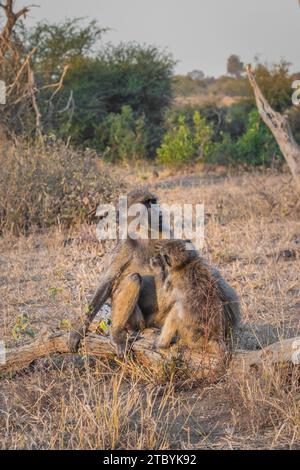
{"x": 12, "y": 17}
{"x": 58, "y": 86}
{"x": 24, "y": 64}
{"x": 280, "y": 128}
{"x": 32, "y": 91}
{"x": 283, "y": 352}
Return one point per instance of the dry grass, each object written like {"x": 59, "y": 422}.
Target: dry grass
{"x": 253, "y": 235}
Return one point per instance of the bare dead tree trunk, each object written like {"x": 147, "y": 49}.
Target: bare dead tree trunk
{"x": 280, "y": 128}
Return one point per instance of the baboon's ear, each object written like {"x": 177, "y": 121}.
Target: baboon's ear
{"x": 189, "y": 245}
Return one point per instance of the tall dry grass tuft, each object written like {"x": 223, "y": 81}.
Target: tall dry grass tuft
{"x": 50, "y": 184}
{"x": 268, "y": 401}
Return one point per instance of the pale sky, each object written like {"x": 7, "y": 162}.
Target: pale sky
{"x": 200, "y": 34}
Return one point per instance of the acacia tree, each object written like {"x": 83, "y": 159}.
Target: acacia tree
{"x": 234, "y": 65}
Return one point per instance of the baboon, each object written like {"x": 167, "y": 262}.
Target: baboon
{"x": 198, "y": 315}
{"x": 136, "y": 293}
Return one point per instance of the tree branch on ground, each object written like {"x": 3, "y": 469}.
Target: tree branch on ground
{"x": 212, "y": 360}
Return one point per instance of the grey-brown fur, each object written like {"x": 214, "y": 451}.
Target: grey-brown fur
{"x": 138, "y": 299}
{"x": 198, "y": 314}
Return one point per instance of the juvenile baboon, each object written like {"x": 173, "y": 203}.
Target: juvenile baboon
{"x": 135, "y": 290}
{"x": 197, "y": 315}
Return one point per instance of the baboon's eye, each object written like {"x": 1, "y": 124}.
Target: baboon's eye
{"x": 149, "y": 202}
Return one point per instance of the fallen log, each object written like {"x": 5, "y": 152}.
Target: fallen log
{"x": 286, "y": 351}
{"x": 141, "y": 349}
{"x": 203, "y": 363}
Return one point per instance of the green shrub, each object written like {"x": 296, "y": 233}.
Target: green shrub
{"x": 50, "y": 184}
{"x": 126, "y": 136}
{"x": 256, "y": 146}
{"x": 177, "y": 146}
{"x": 184, "y": 142}
{"x": 202, "y": 135}
{"x": 224, "y": 152}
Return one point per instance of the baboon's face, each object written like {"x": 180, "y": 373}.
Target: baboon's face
{"x": 157, "y": 263}
{"x": 175, "y": 253}
{"x": 149, "y": 201}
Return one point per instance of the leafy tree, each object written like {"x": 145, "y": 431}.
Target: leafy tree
{"x": 100, "y": 80}
{"x": 235, "y": 119}
{"x": 234, "y": 65}
{"x": 126, "y": 75}
{"x": 60, "y": 43}
{"x": 196, "y": 75}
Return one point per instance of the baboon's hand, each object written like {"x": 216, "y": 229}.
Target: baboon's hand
{"x": 74, "y": 339}
{"x": 120, "y": 348}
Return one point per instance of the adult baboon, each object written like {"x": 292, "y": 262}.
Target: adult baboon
{"x": 135, "y": 291}
{"x": 198, "y": 315}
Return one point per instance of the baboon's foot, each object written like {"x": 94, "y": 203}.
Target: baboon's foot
{"x": 75, "y": 338}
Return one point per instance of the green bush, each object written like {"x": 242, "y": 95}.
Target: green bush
{"x": 184, "y": 142}
{"x": 256, "y": 146}
{"x": 202, "y": 133}
{"x": 126, "y": 136}
{"x": 45, "y": 185}
{"x": 223, "y": 152}
{"x": 177, "y": 146}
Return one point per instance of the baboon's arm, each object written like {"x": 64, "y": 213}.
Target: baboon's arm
{"x": 115, "y": 263}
